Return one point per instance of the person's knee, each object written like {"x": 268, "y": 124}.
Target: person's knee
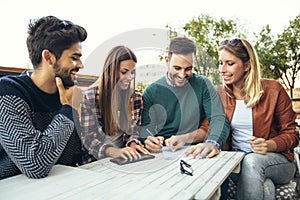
{"x": 249, "y": 161}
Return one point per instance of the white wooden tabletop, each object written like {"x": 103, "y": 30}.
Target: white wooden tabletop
{"x": 158, "y": 178}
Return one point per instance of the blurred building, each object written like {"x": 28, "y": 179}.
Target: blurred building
{"x": 149, "y": 73}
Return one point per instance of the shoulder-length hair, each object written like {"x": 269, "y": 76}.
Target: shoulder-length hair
{"x": 115, "y": 104}
{"x": 252, "y": 87}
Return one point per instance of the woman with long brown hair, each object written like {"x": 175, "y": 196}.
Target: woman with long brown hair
{"x": 111, "y": 110}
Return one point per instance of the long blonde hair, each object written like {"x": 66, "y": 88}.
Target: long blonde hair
{"x": 252, "y": 87}
{"x": 115, "y": 104}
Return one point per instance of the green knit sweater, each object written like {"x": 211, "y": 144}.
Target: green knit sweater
{"x": 170, "y": 110}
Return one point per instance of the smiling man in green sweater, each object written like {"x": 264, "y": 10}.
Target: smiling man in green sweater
{"x": 176, "y": 106}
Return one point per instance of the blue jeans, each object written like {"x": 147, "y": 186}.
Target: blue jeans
{"x": 259, "y": 175}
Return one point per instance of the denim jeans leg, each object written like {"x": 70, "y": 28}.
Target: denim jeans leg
{"x": 257, "y": 168}
{"x": 269, "y": 190}
{"x": 224, "y": 188}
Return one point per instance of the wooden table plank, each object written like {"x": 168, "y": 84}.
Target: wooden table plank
{"x": 219, "y": 177}
{"x": 154, "y": 179}
{"x": 61, "y": 179}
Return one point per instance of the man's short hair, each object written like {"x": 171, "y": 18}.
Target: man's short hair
{"x": 53, "y": 34}
{"x": 182, "y": 45}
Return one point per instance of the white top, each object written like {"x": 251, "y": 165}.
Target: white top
{"x": 242, "y": 127}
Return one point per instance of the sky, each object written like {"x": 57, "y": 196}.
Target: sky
{"x": 138, "y": 24}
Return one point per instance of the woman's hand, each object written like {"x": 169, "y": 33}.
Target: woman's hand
{"x": 139, "y": 148}
{"x": 126, "y": 153}
{"x": 259, "y": 145}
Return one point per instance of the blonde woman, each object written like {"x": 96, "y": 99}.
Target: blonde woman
{"x": 111, "y": 110}
{"x": 262, "y": 122}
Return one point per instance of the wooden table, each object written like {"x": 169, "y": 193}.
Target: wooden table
{"x": 158, "y": 178}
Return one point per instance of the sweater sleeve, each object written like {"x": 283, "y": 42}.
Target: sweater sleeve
{"x": 34, "y": 152}
{"x": 219, "y": 126}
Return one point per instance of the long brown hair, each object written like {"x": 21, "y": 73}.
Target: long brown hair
{"x": 116, "y": 105}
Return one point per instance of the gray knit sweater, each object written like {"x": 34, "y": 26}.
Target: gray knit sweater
{"x": 36, "y": 131}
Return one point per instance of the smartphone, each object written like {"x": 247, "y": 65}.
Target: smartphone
{"x": 122, "y": 161}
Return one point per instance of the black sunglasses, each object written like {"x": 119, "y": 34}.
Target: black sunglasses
{"x": 232, "y": 42}
{"x": 186, "y": 168}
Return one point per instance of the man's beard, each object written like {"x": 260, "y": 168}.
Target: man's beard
{"x": 64, "y": 75}
{"x": 67, "y": 81}
{"x": 174, "y": 77}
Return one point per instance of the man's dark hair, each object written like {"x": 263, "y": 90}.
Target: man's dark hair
{"x": 183, "y": 46}
{"x": 52, "y": 34}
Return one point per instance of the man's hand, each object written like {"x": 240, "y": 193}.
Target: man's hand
{"x": 205, "y": 150}
{"x": 71, "y": 96}
{"x": 175, "y": 142}
{"x": 154, "y": 144}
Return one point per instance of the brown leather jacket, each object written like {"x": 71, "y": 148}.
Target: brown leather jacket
{"x": 273, "y": 117}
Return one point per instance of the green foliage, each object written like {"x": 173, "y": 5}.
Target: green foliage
{"x": 264, "y": 48}
{"x": 172, "y": 33}
{"x": 208, "y": 33}
{"x": 280, "y": 56}
{"x": 140, "y": 86}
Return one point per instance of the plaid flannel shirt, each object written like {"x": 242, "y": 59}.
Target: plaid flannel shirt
{"x": 92, "y": 135}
